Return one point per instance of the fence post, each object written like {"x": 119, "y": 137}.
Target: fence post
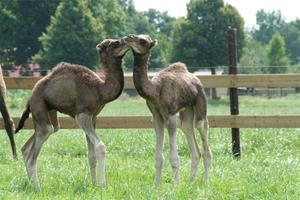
{"x": 234, "y": 100}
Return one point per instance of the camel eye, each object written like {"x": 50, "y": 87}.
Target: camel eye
{"x": 143, "y": 42}
{"x": 117, "y": 43}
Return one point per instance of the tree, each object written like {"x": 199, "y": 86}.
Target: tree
{"x": 276, "y": 54}
{"x": 200, "y": 40}
{"x": 114, "y": 23}
{"x": 24, "y": 22}
{"x": 162, "y": 22}
{"x": 71, "y": 36}
{"x": 291, "y": 33}
{"x": 267, "y": 25}
{"x": 154, "y": 23}
{"x": 254, "y": 57}
{"x": 8, "y": 22}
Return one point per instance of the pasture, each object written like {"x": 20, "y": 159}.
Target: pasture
{"x": 268, "y": 169}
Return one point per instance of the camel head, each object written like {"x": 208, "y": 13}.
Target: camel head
{"x": 140, "y": 44}
{"x": 112, "y": 48}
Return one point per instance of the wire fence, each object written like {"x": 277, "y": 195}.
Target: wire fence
{"x": 21, "y": 71}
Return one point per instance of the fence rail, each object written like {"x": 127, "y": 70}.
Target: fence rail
{"x": 209, "y": 81}
{"x": 217, "y": 121}
{"x": 220, "y": 121}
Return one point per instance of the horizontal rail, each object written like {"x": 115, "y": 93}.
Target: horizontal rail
{"x": 220, "y": 121}
{"x": 209, "y": 81}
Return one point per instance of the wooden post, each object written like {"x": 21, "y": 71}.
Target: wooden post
{"x": 234, "y": 100}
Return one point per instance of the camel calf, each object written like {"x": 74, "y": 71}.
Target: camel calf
{"x": 80, "y": 93}
{"x": 173, "y": 90}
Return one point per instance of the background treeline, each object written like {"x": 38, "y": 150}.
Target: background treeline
{"x": 47, "y": 32}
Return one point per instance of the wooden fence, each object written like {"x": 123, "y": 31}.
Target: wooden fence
{"x": 217, "y": 81}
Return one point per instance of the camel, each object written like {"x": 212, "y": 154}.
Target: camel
{"x": 80, "y": 93}
{"x": 8, "y": 122}
{"x": 170, "y": 91}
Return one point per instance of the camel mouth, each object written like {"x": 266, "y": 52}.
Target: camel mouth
{"x": 130, "y": 38}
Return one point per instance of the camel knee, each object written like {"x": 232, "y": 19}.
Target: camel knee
{"x": 208, "y": 157}
{"x": 92, "y": 160}
{"x": 195, "y": 160}
{"x": 174, "y": 161}
{"x": 49, "y": 129}
{"x": 100, "y": 149}
{"x": 159, "y": 159}
{"x": 202, "y": 124}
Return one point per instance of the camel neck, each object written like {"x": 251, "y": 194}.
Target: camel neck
{"x": 143, "y": 85}
{"x": 114, "y": 79}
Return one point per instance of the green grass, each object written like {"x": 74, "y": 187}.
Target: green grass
{"x": 268, "y": 169}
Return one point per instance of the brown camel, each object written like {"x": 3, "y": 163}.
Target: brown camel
{"x": 80, "y": 93}
{"x": 172, "y": 90}
{"x": 8, "y": 122}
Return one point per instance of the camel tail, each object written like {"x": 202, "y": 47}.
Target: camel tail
{"x": 25, "y": 116}
{"x": 8, "y": 124}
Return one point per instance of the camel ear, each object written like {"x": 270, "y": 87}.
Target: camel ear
{"x": 153, "y": 44}
{"x": 98, "y": 47}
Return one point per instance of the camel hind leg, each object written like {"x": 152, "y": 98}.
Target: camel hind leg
{"x": 174, "y": 158}
{"x": 32, "y": 148}
{"x": 202, "y": 127}
{"x": 201, "y": 123}
{"x": 187, "y": 117}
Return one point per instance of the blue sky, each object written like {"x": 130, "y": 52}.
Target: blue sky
{"x": 290, "y": 9}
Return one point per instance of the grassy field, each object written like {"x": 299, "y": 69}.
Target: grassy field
{"x": 268, "y": 169}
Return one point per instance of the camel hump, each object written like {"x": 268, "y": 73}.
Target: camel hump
{"x": 177, "y": 67}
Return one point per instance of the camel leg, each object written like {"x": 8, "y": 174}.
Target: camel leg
{"x": 54, "y": 120}
{"x": 159, "y": 130}
{"x": 85, "y": 121}
{"x": 174, "y": 158}
{"x": 92, "y": 159}
{"x": 202, "y": 127}
{"x": 187, "y": 117}
{"x": 32, "y": 148}
{"x": 92, "y": 156}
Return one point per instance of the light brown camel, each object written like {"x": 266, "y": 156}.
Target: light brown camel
{"x": 172, "y": 90}
{"x": 80, "y": 93}
{"x": 8, "y": 122}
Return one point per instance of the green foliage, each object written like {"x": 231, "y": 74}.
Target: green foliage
{"x": 71, "y": 36}
{"x": 162, "y": 22}
{"x": 276, "y": 54}
{"x": 111, "y": 15}
{"x": 291, "y": 33}
{"x": 154, "y": 23}
{"x": 200, "y": 40}
{"x": 22, "y": 23}
{"x": 267, "y": 25}
{"x": 253, "y": 59}
{"x": 8, "y": 23}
